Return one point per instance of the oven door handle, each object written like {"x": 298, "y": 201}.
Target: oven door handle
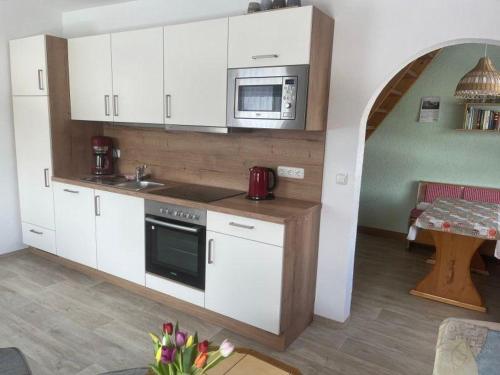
{"x": 172, "y": 226}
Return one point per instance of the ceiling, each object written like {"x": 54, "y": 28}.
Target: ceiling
{"x": 69, "y": 5}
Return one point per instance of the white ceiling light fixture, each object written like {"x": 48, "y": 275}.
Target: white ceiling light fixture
{"x": 482, "y": 82}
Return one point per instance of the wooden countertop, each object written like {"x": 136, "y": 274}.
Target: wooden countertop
{"x": 279, "y": 210}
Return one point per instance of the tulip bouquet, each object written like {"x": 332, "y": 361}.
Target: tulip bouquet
{"x": 177, "y": 353}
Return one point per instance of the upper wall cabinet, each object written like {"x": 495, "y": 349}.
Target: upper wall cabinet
{"x": 276, "y": 38}
{"x": 29, "y": 66}
{"x": 196, "y": 73}
{"x": 91, "y": 78}
{"x": 138, "y": 76}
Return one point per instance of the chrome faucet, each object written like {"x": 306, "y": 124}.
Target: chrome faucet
{"x": 140, "y": 172}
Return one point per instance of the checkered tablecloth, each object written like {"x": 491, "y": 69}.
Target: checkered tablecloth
{"x": 474, "y": 219}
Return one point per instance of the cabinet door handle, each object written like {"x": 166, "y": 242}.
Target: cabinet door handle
{"x": 71, "y": 191}
{"x": 115, "y": 105}
{"x": 233, "y": 224}
{"x": 36, "y": 232}
{"x": 40, "y": 80}
{"x": 271, "y": 56}
{"x": 106, "y": 105}
{"x": 46, "y": 177}
{"x": 97, "y": 205}
{"x": 210, "y": 251}
{"x": 168, "y": 106}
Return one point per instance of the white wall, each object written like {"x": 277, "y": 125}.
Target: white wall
{"x": 373, "y": 40}
{"x": 17, "y": 19}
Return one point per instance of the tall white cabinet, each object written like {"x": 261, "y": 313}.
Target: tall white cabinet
{"x": 196, "y": 73}
{"x": 33, "y": 140}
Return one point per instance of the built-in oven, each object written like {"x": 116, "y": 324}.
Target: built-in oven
{"x": 175, "y": 243}
{"x": 270, "y": 97}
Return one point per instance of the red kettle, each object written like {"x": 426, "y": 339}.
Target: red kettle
{"x": 262, "y": 183}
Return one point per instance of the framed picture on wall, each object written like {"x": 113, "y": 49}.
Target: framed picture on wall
{"x": 429, "y": 109}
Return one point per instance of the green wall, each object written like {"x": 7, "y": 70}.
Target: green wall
{"x": 403, "y": 151}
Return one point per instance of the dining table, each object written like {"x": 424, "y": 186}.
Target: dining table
{"x": 458, "y": 228}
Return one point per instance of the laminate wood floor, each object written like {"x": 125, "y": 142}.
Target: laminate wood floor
{"x": 68, "y": 323}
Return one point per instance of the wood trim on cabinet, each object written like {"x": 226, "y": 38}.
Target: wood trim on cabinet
{"x": 70, "y": 139}
{"x": 58, "y": 83}
{"x": 299, "y": 274}
{"x": 320, "y": 71}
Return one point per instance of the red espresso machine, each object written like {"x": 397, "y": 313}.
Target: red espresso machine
{"x": 262, "y": 182}
{"x": 102, "y": 150}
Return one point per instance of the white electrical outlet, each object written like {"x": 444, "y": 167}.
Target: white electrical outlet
{"x": 290, "y": 172}
{"x": 342, "y": 178}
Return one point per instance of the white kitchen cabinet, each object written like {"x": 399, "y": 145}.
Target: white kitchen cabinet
{"x": 34, "y": 160}
{"x": 196, "y": 73}
{"x": 120, "y": 236}
{"x": 138, "y": 76}
{"x": 75, "y": 223}
{"x": 271, "y": 38}
{"x": 28, "y": 66}
{"x": 90, "y": 77}
{"x": 39, "y": 238}
{"x": 244, "y": 280}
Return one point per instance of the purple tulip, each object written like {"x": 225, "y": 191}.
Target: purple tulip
{"x": 167, "y": 355}
{"x": 180, "y": 338}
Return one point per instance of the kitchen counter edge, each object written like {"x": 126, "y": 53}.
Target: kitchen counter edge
{"x": 279, "y": 210}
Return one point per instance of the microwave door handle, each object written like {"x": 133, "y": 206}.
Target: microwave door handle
{"x": 172, "y": 226}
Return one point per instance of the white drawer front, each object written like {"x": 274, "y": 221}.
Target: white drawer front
{"x": 177, "y": 290}
{"x": 40, "y": 238}
{"x": 256, "y": 230}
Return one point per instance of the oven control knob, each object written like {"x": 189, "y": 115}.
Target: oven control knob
{"x": 288, "y": 105}
{"x": 162, "y": 210}
{"x": 190, "y": 216}
{"x": 197, "y": 217}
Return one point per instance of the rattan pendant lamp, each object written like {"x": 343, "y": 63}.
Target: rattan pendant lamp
{"x": 482, "y": 82}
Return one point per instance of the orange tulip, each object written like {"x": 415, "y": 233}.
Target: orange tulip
{"x": 201, "y": 360}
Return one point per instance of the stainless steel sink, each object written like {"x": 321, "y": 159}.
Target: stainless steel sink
{"x": 138, "y": 185}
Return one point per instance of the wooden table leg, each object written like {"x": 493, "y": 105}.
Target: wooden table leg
{"x": 477, "y": 264}
{"x": 450, "y": 281}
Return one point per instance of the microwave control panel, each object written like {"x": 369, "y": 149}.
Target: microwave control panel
{"x": 289, "y": 98}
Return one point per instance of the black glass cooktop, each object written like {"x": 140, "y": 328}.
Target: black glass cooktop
{"x": 197, "y": 193}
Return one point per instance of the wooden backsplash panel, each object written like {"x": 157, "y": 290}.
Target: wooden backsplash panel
{"x": 223, "y": 159}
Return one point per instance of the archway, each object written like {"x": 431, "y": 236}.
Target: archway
{"x": 340, "y": 204}
{"x": 405, "y": 151}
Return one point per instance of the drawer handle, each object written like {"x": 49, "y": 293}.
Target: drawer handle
{"x": 115, "y": 106}
{"x": 210, "y": 251}
{"x": 97, "y": 205}
{"x": 46, "y": 177}
{"x": 106, "y": 105}
{"x": 40, "y": 80}
{"x": 168, "y": 106}
{"x": 71, "y": 191}
{"x": 233, "y": 224}
{"x": 272, "y": 56}
{"x": 36, "y": 232}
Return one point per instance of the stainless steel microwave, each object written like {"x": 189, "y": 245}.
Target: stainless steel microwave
{"x": 268, "y": 98}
